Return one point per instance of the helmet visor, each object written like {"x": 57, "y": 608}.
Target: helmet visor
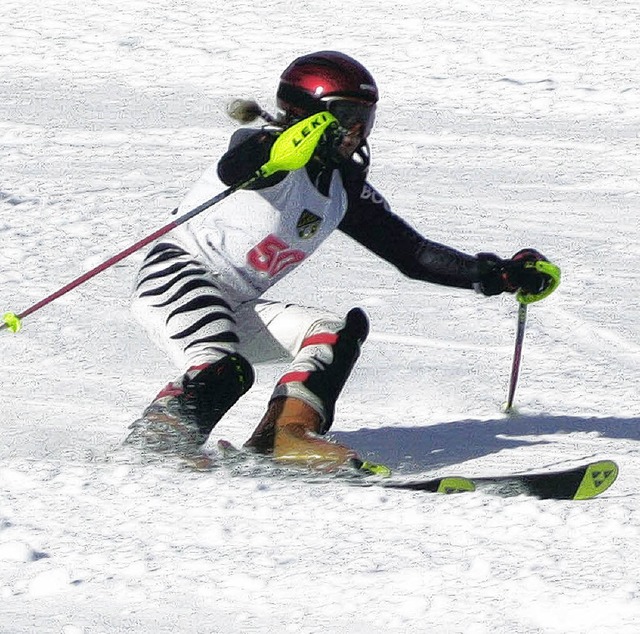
{"x": 351, "y": 113}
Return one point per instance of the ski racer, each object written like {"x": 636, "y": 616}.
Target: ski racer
{"x": 199, "y": 292}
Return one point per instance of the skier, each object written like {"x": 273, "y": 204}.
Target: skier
{"x": 199, "y": 293}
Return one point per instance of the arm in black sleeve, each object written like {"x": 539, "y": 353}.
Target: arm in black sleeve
{"x": 248, "y": 151}
{"x": 370, "y": 222}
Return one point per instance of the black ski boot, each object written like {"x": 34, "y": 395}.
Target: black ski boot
{"x": 179, "y": 420}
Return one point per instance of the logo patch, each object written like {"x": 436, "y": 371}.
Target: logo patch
{"x": 308, "y": 224}
{"x": 368, "y": 193}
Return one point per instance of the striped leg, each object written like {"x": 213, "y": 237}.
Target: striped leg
{"x": 188, "y": 314}
{"x": 178, "y": 300}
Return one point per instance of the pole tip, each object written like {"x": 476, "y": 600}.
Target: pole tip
{"x": 12, "y": 322}
{"x": 509, "y": 410}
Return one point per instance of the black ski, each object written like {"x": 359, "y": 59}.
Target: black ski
{"x": 580, "y": 483}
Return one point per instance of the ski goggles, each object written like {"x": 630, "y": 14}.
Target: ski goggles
{"x": 351, "y": 113}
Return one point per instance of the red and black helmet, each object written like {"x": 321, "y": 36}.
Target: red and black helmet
{"x": 329, "y": 80}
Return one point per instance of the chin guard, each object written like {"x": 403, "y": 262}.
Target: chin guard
{"x": 294, "y": 148}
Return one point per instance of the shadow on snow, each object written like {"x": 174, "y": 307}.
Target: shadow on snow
{"x": 413, "y": 449}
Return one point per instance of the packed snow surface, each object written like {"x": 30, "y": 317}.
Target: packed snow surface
{"x": 501, "y": 125}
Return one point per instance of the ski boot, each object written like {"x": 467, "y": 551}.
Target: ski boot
{"x": 179, "y": 420}
{"x": 290, "y": 432}
{"x": 302, "y": 406}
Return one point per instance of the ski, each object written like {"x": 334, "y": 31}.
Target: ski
{"x": 579, "y": 483}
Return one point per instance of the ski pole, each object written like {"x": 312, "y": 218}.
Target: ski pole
{"x": 524, "y": 299}
{"x": 517, "y": 356}
{"x": 292, "y": 150}
{"x": 13, "y": 321}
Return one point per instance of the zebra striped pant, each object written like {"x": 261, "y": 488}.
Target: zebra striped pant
{"x": 196, "y": 320}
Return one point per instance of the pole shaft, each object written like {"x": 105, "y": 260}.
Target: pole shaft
{"x": 126, "y": 253}
{"x": 517, "y": 354}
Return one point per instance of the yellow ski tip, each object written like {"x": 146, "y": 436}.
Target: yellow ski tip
{"x": 598, "y": 477}
{"x": 455, "y": 485}
{"x": 371, "y": 468}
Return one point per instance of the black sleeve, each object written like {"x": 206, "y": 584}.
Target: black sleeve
{"x": 248, "y": 151}
{"x": 370, "y": 222}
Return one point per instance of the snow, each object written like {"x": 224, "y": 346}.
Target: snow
{"x": 501, "y": 126}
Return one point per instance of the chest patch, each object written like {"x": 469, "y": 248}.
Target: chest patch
{"x": 308, "y": 224}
